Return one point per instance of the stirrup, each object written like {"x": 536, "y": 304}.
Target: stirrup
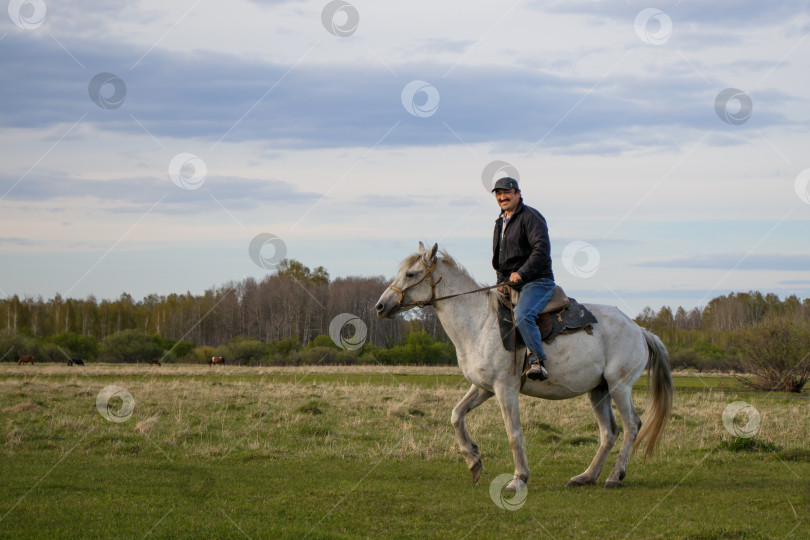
{"x": 536, "y": 370}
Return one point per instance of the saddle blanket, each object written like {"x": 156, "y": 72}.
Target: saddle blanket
{"x": 570, "y": 319}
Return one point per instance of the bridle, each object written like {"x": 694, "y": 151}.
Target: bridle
{"x": 433, "y": 297}
{"x": 428, "y": 274}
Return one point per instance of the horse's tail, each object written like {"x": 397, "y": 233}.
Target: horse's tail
{"x": 662, "y": 393}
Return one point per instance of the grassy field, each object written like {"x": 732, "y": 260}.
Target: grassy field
{"x": 369, "y": 452}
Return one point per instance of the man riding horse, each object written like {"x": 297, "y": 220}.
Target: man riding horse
{"x": 521, "y": 255}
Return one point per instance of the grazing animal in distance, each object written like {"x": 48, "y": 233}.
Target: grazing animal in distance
{"x": 75, "y": 362}
{"x": 26, "y": 360}
{"x": 216, "y": 360}
{"x": 155, "y": 363}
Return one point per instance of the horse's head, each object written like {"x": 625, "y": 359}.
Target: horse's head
{"x": 413, "y": 286}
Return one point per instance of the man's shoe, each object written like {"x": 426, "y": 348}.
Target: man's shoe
{"x": 537, "y": 371}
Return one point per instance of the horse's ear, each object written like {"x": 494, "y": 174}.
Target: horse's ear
{"x": 421, "y": 248}
{"x": 430, "y": 256}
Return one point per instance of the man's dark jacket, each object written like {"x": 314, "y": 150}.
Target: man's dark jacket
{"x": 525, "y": 247}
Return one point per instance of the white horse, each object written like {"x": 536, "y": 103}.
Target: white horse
{"x": 605, "y": 365}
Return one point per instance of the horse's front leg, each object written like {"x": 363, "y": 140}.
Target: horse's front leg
{"x": 510, "y": 409}
{"x": 474, "y": 397}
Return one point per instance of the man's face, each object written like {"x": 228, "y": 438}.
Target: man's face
{"x": 507, "y": 199}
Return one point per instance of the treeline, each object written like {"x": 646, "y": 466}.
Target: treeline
{"x": 710, "y": 338}
{"x": 295, "y": 303}
{"x": 283, "y": 319}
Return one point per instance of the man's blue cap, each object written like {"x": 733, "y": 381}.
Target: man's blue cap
{"x": 508, "y": 183}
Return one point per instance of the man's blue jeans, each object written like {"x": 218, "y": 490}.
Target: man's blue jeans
{"x": 533, "y": 298}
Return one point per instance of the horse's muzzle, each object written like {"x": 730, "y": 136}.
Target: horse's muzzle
{"x": 382, "y": 312}
{"x": 387, "y": 306}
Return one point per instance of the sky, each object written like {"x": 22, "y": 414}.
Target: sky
{"x": 156, "y": 148}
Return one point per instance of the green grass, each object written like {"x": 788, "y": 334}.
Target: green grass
{"x": 352, "y": 454}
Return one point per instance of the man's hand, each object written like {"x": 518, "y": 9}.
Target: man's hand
{"x": 514, "y": 278}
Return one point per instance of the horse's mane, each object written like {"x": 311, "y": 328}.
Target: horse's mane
{"x": 448, "y": 259}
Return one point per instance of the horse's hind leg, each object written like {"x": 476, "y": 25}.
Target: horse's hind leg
{"x": 621, "y": 394}
{"x": 608, "y": 431}
{"x": 474, "y": 397}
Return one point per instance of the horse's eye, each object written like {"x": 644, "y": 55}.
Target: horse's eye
{"x": 410, "y": 274}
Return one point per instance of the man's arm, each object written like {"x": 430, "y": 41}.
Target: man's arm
{"x": 496, "y": 248}
{"x": 536, "y": 232}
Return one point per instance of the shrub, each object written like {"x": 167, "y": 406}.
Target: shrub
{"x": 201, "y": 355}
{"x": 130, "y": 346}
{"x": 242, "y": 350}
{"x": 776, "y": 354}
{"x": 418, "y": 349}
{"x": 709, "y": 356}
{"x": 48, "y": 352}
{"x": 322, "y": 356}
{"x": 322, "y": 341}
{"x": 284, "y": 346}
{"x": 76, "y": 345}
{"x": 703, "y": 355}
{"x": 13, "y": 346}
{"x": 683, "y": 359}
{"x": 182, "y": 349}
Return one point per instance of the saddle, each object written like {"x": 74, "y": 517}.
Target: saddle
{"x": 562, "y": 315}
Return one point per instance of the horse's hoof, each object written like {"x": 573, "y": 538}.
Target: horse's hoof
{"x": 476, "y": 471}
{"x": 612, "y": 484}
{"x": 515, "y": 486}
{"x": 579, "y": 481}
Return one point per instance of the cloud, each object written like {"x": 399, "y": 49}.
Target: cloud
{"x": 795, "y": 282}
{"x": 636, "y": 294}
{"x": 443, "y": 45}
{"x": 15, "y": 241}
{"x": 686, "y": 298}
{"x": 728, "y": 14}
{"x": 137, "y": 194}
{"x": 220, "y": 97}
{"x": 388, "y": 201}
{"x": 739, "y": 261}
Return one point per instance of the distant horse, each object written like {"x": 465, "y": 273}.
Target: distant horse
{"x": 26, "y": 360}
{"x": 604, "y": 365}
{"x": 216, "y": 360}
{"x": 75, "y": 362}
{"x": 155, "y": 363}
